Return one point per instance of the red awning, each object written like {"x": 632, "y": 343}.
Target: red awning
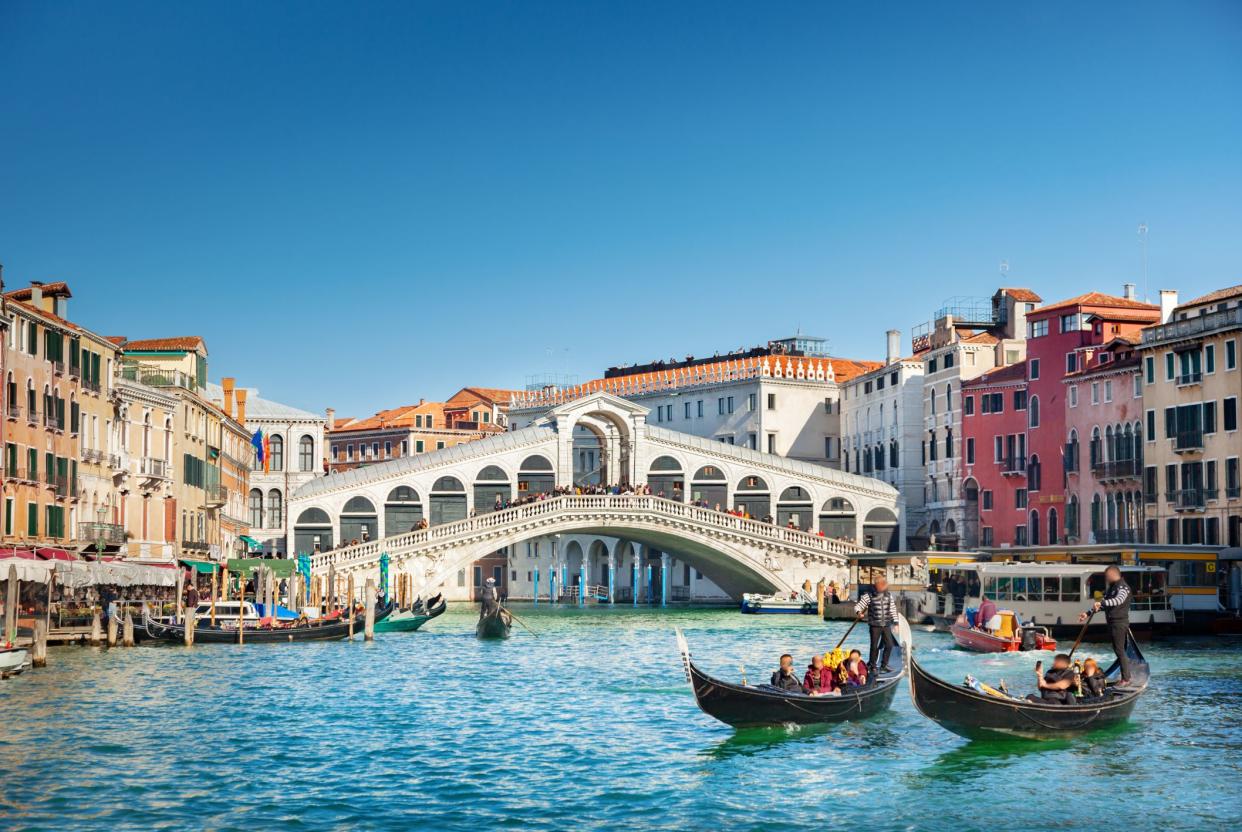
{"x": 28, "y": 554}
{"x": 54, "y": 554}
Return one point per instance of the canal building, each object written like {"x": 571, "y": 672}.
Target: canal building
{"x": 1191, "y": 388}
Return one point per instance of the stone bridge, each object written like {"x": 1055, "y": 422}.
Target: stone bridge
{"x": 598, "y": 438}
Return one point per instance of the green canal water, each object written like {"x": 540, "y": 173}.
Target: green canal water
{"x": 589, "y": 725}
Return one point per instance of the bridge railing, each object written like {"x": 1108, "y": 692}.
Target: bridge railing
{"x": 621, "y": 503}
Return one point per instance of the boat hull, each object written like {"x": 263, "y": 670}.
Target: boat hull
{"x": 750, "y": 607}
{"x": 312, "y": 631}
{"x": 975, "y": 715}
{"x": 494, "y": 626}
{"x": 13, "y": 661}
{"x": 409, "y": 622}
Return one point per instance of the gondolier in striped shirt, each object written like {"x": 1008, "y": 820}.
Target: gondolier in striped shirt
{"x": 1116, "y": 605}
{"x": 880, "y": 607}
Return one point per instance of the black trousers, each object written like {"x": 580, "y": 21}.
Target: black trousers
{"x": 880, "y": 635}
{"x": 1119, "y": 632}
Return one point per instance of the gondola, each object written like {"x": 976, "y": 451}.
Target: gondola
{"x": 315, "y": 630}
{"x": 975, "y": 715}
{"x": 746, "y": 706}
{"x": 494, "y": 624}
{"x": 407, "y": 621}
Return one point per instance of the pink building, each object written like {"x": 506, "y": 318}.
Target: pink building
{"x": 1104, "y": 445}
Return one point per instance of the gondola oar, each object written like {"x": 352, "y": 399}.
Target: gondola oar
{"x": 847, "y": 632}
{"x": 520, "y": 621}
{"x": 1081, "y": 633}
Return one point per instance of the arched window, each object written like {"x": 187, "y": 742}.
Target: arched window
{"x": 276, "y": 445}
{"x": 306, "y": 454}
{"x": 1097, "y": 448}
{"x": 256, "y": 508}
{"x": 948, "y": 397}
{"x": 1034, "y": 474}
{"x": 1097, "y": 507}
{"x": 1072, "y": 521}
{"x": 1053, "y": 532}
{"x": 1032, "y": 411}
{"x": 275, "y": 510}
{"x": 1033, "y": 528}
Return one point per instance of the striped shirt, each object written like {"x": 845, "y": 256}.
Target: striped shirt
{"x": 883, "y": 612}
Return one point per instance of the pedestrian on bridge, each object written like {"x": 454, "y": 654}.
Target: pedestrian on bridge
{"x": 880, "y": 607}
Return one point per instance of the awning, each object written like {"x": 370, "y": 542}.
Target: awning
{"x": 48, "y": 553}
{"x": 250, "y": 541}
{"x": 199, "y": 565}
{"x": 28, "y": 569}
{"x": 280, "y": 568}
{"x": 77, "y": 574}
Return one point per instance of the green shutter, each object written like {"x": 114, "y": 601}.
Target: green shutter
{"x": 32, "y": 519}
{"x": 32, "y": 463}
{"x": 32, "y": 347}
{"x": 10, "y": 456}
{"x": 8, "y": 517}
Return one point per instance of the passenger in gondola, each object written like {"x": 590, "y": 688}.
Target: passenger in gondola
{"x": 1116, "y": 606}
{"x": 1092, "y": 681}
{"x": 818, "y": 679}
{"x": 1055, "y": 686}
{"x": 880, "y": 607}
{"x": 785, "y": 678}
{"x": 855, "y": 670}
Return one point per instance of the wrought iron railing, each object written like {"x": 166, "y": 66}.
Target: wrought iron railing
{"x": 109, "y": 533}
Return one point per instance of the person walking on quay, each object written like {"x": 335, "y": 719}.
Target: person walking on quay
{"x": 1116, "y": 606}
{"x": 880, "y": 607}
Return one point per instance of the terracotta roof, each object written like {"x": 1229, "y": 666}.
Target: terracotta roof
{"x": 1213, "y": 297}
{"x": 59, "y": 289}
{"x": 1145, "y": 316}
{"x": 494, "y": 395}
{"x": 1020, "y": 294}
{"x": 395, "y": 418}
{"x": 1097, "y": 299}
{"x": 56, "y": 319}
{"x": 1008, "y": 373}
{"x": 116, "y": 339}
{"x": 184, "y": 343}
{"x": 981, "y": 338}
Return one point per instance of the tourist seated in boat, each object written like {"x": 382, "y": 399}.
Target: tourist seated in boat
{"x": 1055, "y": 686}
{"x": 818, "y": 679}
{"x": 1093, "y": 682}
{"x": 855, "y": 670}
{"x": 987, "y": 618}
{"x": 785, "y": 678}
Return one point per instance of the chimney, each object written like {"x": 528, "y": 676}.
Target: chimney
{"x": 1168, "y": 300}
{"x": 227, "y": 385}
{"x": 1127, "y": 291}
{"x": 241, "y": 404}
{"x": 36, "y": 294}
{"x": 421, "y": 401}
{"x": 331, "y": 414}
{"x": 893, "y": 353}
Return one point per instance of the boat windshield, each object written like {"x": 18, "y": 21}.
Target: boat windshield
{"x": 1048, "y": 588}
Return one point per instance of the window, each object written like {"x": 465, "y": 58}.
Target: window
{"x": 771, "y": 401}
{"x": 275, "y": 514}
{"x": 1034, "y": 366}
{"x": 276, "y": 446}
{"x": 1168, "y": 366}
{"x": 1033, "y": 412}
{"x": 256, "y": 508}
{"x": 387, "y": 449}
{"x": 1019, "y": 498}
{"x": 700, "y": 409}
{"x": 1071, "y": 362}
{"x": 1209, "y": 358}
{"x": 1231, "y": 355}
{"x": 686, "y": 409}
{"x": 987, "y": 535}
{"x": 1073, "y": 395}
{"x": 948, "y": 361}
{"x": 771, "y": 443}
{"x": 968, "y": 405}
{"x": 931, "y": 366}
{"x": 720, "y": 406}
{"x": 1019, "y": 400}
{"x": 1070, "y": 323}
{"x": 970, "y": 451}
{"x": 729, "y": 402}
{"x": 418, "y": 420}
{"x": 1149, "y": 367}
{"x": 987, "y": 500}
{"x": 1138, "y": 386}
{"x": 1230, "y": 413}
{"x": 1108, "y": 391}
{"x": 1036, "y": 329}
{"x": 349, "y": 452}
{"x": 440, "y": 445}
{"x": 306, "y": 454}
{"x": 418, "y": 446}
{"x": 405, "y": 447}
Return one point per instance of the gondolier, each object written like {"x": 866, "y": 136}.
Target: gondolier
{"x": 490, "y": 597}
{"x": 1116, "y": 606}
{"x": 880, "y": 607}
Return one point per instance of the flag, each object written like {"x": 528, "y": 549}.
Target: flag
{"x": 267, "y": 454}
{"x": 257, "y": 441}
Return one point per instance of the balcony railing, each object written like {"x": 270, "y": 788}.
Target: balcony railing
{"x": 154, "y": 468}
{"x": 92, "y": 456}
{"x": 114, "y": 462}
{"x": 1118, "y": 536}
{"x": 32, "y": 415}
{"x": 91, "y": 385}
{"x": 108, "y": 533}
{"x": 1196, "y": 327}
{"x": 1013, "y": 466}
{"x": 50, "y": 420}
{"x": 58, "y": 367}
{"x": 14, "y": 412}
{"x": 1191, "y": 499}
{"x": 154, "y": 376}
{"x": 216, "y": 495}
{"x": 1188, "y": 440}
{"x": 20, "y": 474}
{"x": 75, "y": 371}
{"x": 1116, "y": 469}
{"x": 1233, "y": 493}
{"x": 1187, "y": 379}
{"x": 195, "y": 545}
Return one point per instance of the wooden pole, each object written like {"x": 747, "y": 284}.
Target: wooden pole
{"x": 38, "y": 653}
{"x": 215, "y": 593}
{"x": 112, "y": 631}
{"x": 241, "y": 608}
{"x": 350, "y": 608}
{"x": 368, "y": 633}
{"x": 10, "y": 606}
{"x": 190, "y": 620}
{"x": 127, "y": 635}
{"x": 819, "y": 596}
{"x": 96, "y": 628}
{"x": 331, "y": 599}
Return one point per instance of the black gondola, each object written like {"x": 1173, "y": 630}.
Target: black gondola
{"x": 975, "y": 715}
{"x": 316, "y": 630}
{"x": 494, "y": 623}
{"x": 746, "y": 706}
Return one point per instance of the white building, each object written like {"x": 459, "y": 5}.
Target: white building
{"x": 295, "y": 440}
{"x": 967, "y": 338}
{"x": 882, "y": 428}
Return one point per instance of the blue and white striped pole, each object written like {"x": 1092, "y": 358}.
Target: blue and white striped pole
{"x": 611, "y": 582}
{"x": 650, "y": 586}
{"x": 582, "y": 580}
{"x": 535, "y": 594}
{"x": 634, "y": 582}
{"x": 664, "y": 581}
{"x": 564, "y": 577}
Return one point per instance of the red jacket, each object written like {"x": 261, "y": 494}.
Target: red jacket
{"x": 825, "y": 680}
{"x": 858, "y": 677}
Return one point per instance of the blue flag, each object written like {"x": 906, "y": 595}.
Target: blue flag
{"x": 257, "y": 441}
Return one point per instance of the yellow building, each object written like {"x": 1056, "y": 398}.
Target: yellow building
{"x": 1191, "y": 387}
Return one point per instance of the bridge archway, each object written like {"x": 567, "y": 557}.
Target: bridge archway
{"x": 402, "y": 511}
{"x": 666, "y": 477}
{"x": 448, "y": 501}
{"x": 312, "y": 531}
{"x": 536, "y": 475}
{"x": 491, "y": 485}
{"x": 753, "y": 497}
{"x": 880, "y": 530}
{"x": 359, "y": 520}
{"x": 795, "y": 504}
{"x": 838, "y": 520}
{"x": 710, "y": 487}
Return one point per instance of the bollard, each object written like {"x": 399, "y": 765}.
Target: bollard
{"x": 368, "y": 632}
{"x": 96, "y": 629}
{"x": 127, "y": 634}
{"x": 112, "y": 625}
{"x": 190, "y": 620}
{"x": 38, "y": 651}
{"x": 819, "y": 597}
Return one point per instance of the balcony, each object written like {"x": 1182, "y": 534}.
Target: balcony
{"x": 1192, "y": 328}
{"x": 50, "y": 420}
{"x": 1233, "y": 493}
{"x": 58, "y": 367}
{"x": 1013, "y": 466}
{"x": 90, "y": 456}
{"x": 153, "y": 468}
{"x": 92, "y": 386}
{"x": 154, "y": 376}
{"x": 107, "y": 533}
{"x": 32, "y": 416}
{"x": 1188, "y": 379}
{"x": 1188, "y": 441}
{"x": 14, "y": 412}
{"x": 216, "y": 496}
{"x": 195, "y": 546}
{"x": 20, "y": 475}
{"x": 1117, "y": 469}
{"x": 75, "y": 371}
{"x": 1118, "y": 536}
{"x": 1191, "y": 499}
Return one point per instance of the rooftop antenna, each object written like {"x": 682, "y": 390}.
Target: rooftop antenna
{"x": 1142, "y": 235}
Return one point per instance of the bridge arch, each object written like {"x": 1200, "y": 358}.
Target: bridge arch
{"x": 447, "y": 501}
{"x": 491, "y": 488}
{"x": 880, "y": 530}
{"x": 312, "y": 531}
{"x": 666, "y": 477}
{"x": 359, "y": 520}
{"x": 838, "y": 519}
{"x": 535, "y": 475}
{"x": 402, "y": 510}
{"x": 753, "y": 497}
{"x": 710, "y": 487}
{"x": 795, "y": 505}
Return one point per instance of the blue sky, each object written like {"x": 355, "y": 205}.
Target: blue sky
{"x": 358, "y": 205}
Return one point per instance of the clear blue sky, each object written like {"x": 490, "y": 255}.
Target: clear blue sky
{"x": 358, "y": 204}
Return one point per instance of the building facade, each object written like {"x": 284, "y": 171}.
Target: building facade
{"x": 1191, "y": 388}
{"x": 994, "y": 435}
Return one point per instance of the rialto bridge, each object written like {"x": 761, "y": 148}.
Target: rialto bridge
{"x": 790, "y": 521}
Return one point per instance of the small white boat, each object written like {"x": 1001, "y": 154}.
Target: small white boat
{"x": 792, "y": 604}
{"x": 13, "y": 660}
